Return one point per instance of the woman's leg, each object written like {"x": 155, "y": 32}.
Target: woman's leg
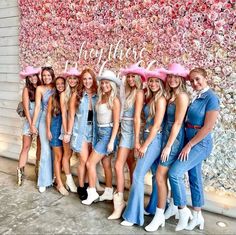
{"x": 106, "y": 162}
{"x": 131, "y": 162}
{"x": 58, "y": 153}
{"x": 26, "y": 143}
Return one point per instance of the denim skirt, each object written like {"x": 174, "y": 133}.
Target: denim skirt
{"x": 56, "y": 131}
{"x": 127, "y": 134}
{"x": 103, "y": 139}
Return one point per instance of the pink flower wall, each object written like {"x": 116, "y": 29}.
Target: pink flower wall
{"x": 116, "y": 33}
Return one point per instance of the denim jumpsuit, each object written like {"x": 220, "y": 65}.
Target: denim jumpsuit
{"x": 195, "y": 116}
{"x": 82, "y": 130}
{"x": 26, "y": 127}
{"x": 55, "y": 129}
{"x": 46, "y": 162}
{"x": 127, "y": 129}
{"x": 134, "y": 211}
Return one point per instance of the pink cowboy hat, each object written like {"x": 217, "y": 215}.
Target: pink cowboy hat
{"x": 28, "y": 71}
{"x": 177, "y": 69}
{"x": 157, "y": 73}
{"x": 72, "y": 72}
{"x": 134, "y": 69}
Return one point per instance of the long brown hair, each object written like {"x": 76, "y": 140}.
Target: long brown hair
{"x": 50, "y": 70}
{"x": 56, "y": 108}
{"x": 31, "y": 88}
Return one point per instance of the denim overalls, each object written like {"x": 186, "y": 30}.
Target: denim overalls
{"x": 195, "y": 116}
{"x": 82, "y": 129}
{"x": 134, "y": 211}
{"x": 127, "y": 129}
{"x": 55, "y": 129}
{"x": 46, "y": 162}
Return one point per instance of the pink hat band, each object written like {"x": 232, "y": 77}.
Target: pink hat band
{"x": 72, "y": 72}
{"x": 157, "y": 73}
{"x": 178, "y": 70}
{"x": 134, "y": 69}
{"x": 29, "y": 71}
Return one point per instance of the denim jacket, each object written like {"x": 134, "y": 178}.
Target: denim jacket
{"x": 80, "y": 123}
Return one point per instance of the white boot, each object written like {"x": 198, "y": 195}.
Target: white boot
{"x": 172, "y": 210}
{"x": 197, "y": 220}
{"x": 119, "y": 205}
{"x": 184, "y": 216}
{"x": 126, "y": 223}
{"x": 107, "y": 195}
{"x": 158, "y": 220}
{"x": 92, "y": 196}
{"x": 70, "y": 184}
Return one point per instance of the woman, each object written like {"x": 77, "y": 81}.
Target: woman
{"x": 200, "y": 120}
{"x": 43, "y": 93}
{"x": 31, "y": 76}
{"x": 72, "y": 79}
{"x": 173, "y": 136}
{"x": 125, "y": 152}
{"x": 108, "y": 113}
{"x": 54, "y": 121}
{"x": 153, "y": 104}
{"x": 82, "y": 119}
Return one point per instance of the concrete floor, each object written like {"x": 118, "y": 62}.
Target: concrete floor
{"x": 23, "y": 210}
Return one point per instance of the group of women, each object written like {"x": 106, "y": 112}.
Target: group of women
{"x": 152, "y": 125}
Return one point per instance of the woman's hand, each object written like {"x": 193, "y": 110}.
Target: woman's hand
{"x": 136, "y": 149}
{"x": 49, "y": 135}
{"x": 66, "y": 138}
{"x": 110, "y": 146}
{"x": 183, "y": 156}
{"x": 165, "y": 153}
{"x": 142, "y": 150}
{"x": 33, "y": 130}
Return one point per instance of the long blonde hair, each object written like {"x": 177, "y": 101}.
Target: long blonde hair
{"x": 130, "y": 93}
{"x": 170, "y": 94}
{"x": 153, "y": 97}
{"x": 68, "y": 91}
{"x": 112, "y": 96}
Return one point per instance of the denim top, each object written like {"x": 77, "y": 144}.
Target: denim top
{"x": 46, "y": 97}
{"x": 208, "y": 101}
{"x": 80, "y": 122}
{"x": 129, "y": 112}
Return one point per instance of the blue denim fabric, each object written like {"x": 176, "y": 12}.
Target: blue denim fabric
{"x": 80, "y": 124}
{"x": 45, "y": 174}
{"x": 179, "y": 141}
{"x": 56, "y": 131}
{"x": 195, "y": 115}
{"x": 127, "y": 129}
{"x": 149, "y": 122}
{"x": 26, "y": 126}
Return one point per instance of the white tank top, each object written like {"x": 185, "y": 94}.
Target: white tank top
{"x": 104, "y": 114}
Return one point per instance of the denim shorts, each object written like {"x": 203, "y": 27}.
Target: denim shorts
{"x": 26, "y": 126}
{"x": 56, "y": 131}
{"x": 88, "y": 135}
{"x": 103, "y": 138}
{"x": 127, "y": 134}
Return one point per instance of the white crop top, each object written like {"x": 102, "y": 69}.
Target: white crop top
{"x": 104, "y": 114}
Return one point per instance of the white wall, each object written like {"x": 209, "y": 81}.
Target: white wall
{"x": 10, "y": 124}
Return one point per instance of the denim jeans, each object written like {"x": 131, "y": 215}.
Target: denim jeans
{"x": 134, "y": 211}
{"x": 198, "y": 153}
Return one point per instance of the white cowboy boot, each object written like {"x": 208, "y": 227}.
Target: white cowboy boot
{"x": 119, "y": 205}
{"x": 70, "y": 184}
{"x": 184, "y": 216}
{"x": 158, "y": 220}
{"x": 92, "y": 196}
{"x": 197, "y": 220}
{"x": 126, "y": 223}
{"x": 107, "y": 195}
{"x": 172, "y": 210}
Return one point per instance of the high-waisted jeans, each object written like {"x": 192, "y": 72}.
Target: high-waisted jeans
{"x": 134, "y": 211}
{"x": 193, "y": 165}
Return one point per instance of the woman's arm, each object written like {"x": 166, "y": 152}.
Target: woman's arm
{"x": 38, "y": 97}
{"x": 26, "y": 101}
{"x": 181, "y": 103}
{"x": 63, "y": 112}
{"x": 209, "y": 122}
{"x": 48, "y": 119}
{"x": 71, "y": 116}
{"x": 116, "y": 119}
{"x": 158, "y": 119}
{"x": 137, "y": 119}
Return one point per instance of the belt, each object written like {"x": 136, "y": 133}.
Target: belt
{"x": 189, "y": 125}
{"x": 148, "y": 131}
{"x": 89, "y": 122}
{"x": 105, "y": 125}
{"x": 127, "y": 118}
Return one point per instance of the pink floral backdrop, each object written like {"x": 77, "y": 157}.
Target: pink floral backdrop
{"x": 116, "y": 33}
